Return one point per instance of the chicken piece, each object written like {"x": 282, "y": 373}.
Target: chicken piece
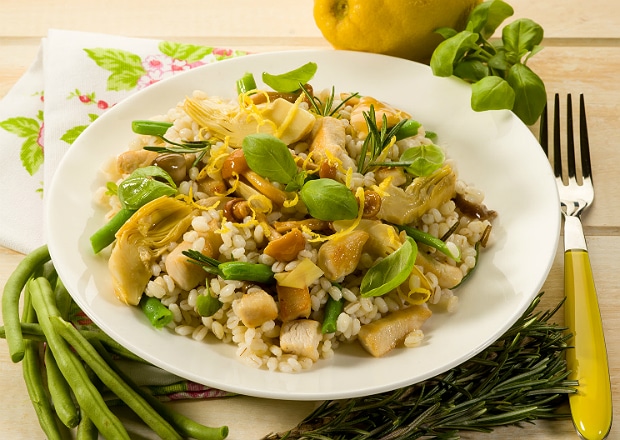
{"x": 358, "y": 122}
{"x": 255, "y": 308}
{"x": 287, "y": 247}
{"x": 294, "y": 302}
{"x": 129, "y": 161}
{"x": 301, "y": 337}
{"x": 381, "y": 336}
{"x": 329, "y": 141}
{"x": 448, "y": 276}
{"x": 339, "y": 256}
{"x": 185, "y": 274}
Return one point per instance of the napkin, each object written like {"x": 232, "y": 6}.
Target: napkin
{"x": 75, "y": 78}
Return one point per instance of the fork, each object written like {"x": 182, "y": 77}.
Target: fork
{"x": 591, "y": 405}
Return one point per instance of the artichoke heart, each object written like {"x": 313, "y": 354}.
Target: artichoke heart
{"x": 285, "y": 120}
{"x": 142, "y": 238}
{"x": 402, "y": 207}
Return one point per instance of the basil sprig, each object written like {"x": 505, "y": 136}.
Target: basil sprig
{"x": 497, "y": 70}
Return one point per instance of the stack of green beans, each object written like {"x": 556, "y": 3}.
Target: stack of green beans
{"x": 63, "y": 383}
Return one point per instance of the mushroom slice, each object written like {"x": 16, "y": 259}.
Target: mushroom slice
{"x": 381, "y": 336}
{"x": 255, "y": 308}
{"x": 294, "y": 302}
{"x": 301, "y": 337}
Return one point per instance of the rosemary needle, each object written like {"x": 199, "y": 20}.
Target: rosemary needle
{"x": 521, "y": 377}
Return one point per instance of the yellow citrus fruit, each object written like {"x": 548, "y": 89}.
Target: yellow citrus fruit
{"x": 402, "y": 28}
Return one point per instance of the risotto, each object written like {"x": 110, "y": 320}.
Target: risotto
{"x": 288, "y": 223}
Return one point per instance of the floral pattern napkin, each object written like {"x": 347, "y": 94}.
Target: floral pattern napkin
{"x": 75, "y": 78}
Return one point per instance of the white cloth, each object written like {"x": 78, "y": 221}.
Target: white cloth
{"x": 75, "y": 78}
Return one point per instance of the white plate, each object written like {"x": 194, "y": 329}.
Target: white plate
{"x": 493, "y": 150}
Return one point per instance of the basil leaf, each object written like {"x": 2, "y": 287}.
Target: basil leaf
{"x": 290, "y": 81}
{"x": 327, "y": 199}
{"x": 471, "y": 70}
{"x": 451, "y": 51}
{"x": 135, "y": 192}
{"x": 153, "y": 171}
{"x": 487, "y": 16}
{"x": 521, "y": 37}
{"x": 492, "y": 93}
{"x": 424, "y": 159}
{"x": 391, "y": 271}
{"x": 530, "y": 93}
{"x": 269, "y": 157}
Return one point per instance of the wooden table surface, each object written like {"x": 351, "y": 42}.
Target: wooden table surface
{"x": 581, "y": 55}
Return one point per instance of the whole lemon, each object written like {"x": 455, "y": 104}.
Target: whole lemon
{"x": 402, "y": 28}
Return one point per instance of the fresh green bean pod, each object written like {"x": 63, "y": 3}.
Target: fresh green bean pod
{"x": 32, "y": 371}
{"x": 185, "y": 426}
{"x": 86, "y": 430}
{"x": 30, "y": 331}
{"x": 61, "y": 393}
{"x": 333, "y": 309}
{"x": 10, "y": 299}
{"x": 86, "y": 394}
{"x": 408, "y": 129}
{"x": 112, "y": 380}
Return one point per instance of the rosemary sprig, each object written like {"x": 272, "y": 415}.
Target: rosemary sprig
{"x": 376, "y": 141}
{"x": 521, "y": 377}
{"x": 325, "y": 108}
{"x": 199, "y": 148}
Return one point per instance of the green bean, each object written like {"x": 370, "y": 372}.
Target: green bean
{"x": 430, "y": 240}
{"x": 246, "y": 83}
{"x": 105, "y": 235}
{"x": 112, "y": 380}
{"x": 63, "y": 299}
{"x": 152, "y": 128}
{"x": 86, "y": 430}
{"x": 61, "y": 393}
{"x": 184, "y": 425}
{"x": 33, "y": 378}
{"x": 88, "y": 398}
{"x": 333, "y": 309}
{"x": 158, "y": 314}
{"x": 232, "y": 270}
{"x": 29, "y": 331}
{"x": 10, "y": 300}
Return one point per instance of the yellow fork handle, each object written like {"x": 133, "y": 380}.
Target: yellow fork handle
{"x": 591, "y": 405}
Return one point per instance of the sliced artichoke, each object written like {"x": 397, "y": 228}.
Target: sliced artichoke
{"x": 140, "y": 240}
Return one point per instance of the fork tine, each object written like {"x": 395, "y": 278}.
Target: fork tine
{"x": 586, "y": 166}
{"x": 570, "y": 138}
{"x": 557, "y": 141}
{"x": 543, "y": 134}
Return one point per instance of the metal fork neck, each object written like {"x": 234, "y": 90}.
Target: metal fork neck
{"x": 573, "y": 234}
